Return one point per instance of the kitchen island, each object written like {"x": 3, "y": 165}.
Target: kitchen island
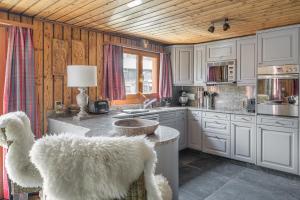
{"x": 164, "y": 138}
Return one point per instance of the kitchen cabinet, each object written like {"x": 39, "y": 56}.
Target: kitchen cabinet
{"x": 182, "y": 64}
{"x": 194, "y": 130}
{"x": 243, "y": 140}
{"x": 278, "y": 46}
{"x": 177, "y": 120}
{"x": 221, "y": 50}
{"x": 246, "y": 61}
{"x": 277, "y": 148}
{"x": 216, "y": 144}
{"x": 200, "y": 65}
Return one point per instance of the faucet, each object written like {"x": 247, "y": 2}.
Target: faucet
{"x": 148, "y": 102}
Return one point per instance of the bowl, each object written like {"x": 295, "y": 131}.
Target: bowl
{"x": 133, "y": 127}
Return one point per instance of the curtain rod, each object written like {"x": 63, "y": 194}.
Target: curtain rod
{"x": 14, "y": 23}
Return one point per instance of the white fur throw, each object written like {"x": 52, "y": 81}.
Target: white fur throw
{"x": 95, "y": 168}
{"x": 18, "y": 131}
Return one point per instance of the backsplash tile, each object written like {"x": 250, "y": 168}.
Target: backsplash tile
{"x": 229, "y": 96}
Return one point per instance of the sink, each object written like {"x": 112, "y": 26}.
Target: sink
{"x": 134, "y": 111}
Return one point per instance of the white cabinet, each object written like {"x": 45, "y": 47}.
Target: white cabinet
{"x": 199, "y": 65}
{"x": 243, "y": 140}
{"x": 177, "y": 120}
{"x": 194, "y": 130}
{"x": 277, "y": 148}
{"x": 222, "y": 50}
{"x": 182, "y": 64}
{"x": 278, "y": 46}
{"x": 246, "y": 61}
{"x": 216, "y": 144}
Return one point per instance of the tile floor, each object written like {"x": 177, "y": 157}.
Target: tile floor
{"x": 207, "y": 177}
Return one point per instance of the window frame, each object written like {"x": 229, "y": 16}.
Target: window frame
{"x": 140, "y": 97}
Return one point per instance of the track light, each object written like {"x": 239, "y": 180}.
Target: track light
{"x": 226, "y": 25}
{"x": 211, "y": 28}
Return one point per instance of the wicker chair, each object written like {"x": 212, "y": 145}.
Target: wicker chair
{"x": 137, "y": 190}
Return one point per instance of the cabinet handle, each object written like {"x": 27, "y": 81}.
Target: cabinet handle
{"x": 244, "y": 119}
{"x": 277, "y": 122}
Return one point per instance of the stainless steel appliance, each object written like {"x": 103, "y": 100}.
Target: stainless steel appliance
{"x": 221, "y": 72}
{"x": 278, "y": 90}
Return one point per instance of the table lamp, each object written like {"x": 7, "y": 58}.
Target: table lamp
{"x": 82, "y": 76}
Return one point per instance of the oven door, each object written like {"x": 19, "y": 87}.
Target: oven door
{"x": 278, "y": 94}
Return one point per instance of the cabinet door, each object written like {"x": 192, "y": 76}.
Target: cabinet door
{"x": 183, "y": 70}
{"x": 194, "y": 134}
{"x": 180, "y": 125}
{"x": 243, "y": 141}
{"x": 224, "y": 50}
{"x": 278, "y": 47}
{"x": 199, "y": 65}
{"x": 277, "y": 148}
{"x": 216, "y": 144}
{"x": 246, "y": 61}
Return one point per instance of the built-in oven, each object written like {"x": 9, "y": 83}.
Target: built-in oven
{"x": 278, "y": 90}
{"x": 221, "y": 72}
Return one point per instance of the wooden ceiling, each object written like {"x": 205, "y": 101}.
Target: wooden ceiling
{"x": 167, "y": 21}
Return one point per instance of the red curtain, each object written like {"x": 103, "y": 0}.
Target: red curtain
{"x": 165, "y": 83}
{"x": 113, "y": 86}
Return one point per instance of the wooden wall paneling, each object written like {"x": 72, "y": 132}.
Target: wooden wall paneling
{"x": 58, "y": 84}
{"x": 92, "y": 47}
{"x": 59, "y": 56}
{"x": 14, "y": 17}
{"x": 76, "y": 35}
{"x": 68, "y": 38}
{"x": 99, "y": 64}
{"x": 84, "y": 36}
{"x": 48, "y": 75}
{"x": 3, "y": 15}
{"x": 38, "y": 40}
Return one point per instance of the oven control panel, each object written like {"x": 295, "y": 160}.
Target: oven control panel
{"x": 283, "y": 69}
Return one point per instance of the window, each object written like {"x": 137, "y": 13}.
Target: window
{"x": 140, "y": 74}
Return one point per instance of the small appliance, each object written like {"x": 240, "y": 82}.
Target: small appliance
{"x": 98, "y": 107}
{"x": 221, "y": 72}
{"x": 250, "y": 105}
{"x": 183, "y": 99}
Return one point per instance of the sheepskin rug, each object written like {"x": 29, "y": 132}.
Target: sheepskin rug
{"x": 96, "y": 168}
{"x": 17, "y": 163}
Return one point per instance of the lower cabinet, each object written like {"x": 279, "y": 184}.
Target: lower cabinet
{"x": 243, "y": 140}
{"x": 194, "y": 132}
{"x": 277, "y": 148}
{"x": 216, "y": 144}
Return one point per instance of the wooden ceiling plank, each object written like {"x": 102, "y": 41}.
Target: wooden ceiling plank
{"x": 38, "y": 7}
{"x": 92, "y": 7}
{"x": 179, "y": 15}
{"x": 22, "y": 6}
{"x": 178, "y": 22}
{"x": 8, "y": 4}
{"x": 123, "y": 12}
{"x": 107, "y": 11}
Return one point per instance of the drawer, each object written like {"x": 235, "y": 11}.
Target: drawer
{"x": 278, "y": 121}
{"x": 215, "y": 115}
{"x": 243, "y": 118}
{"x": 166, "y": 115}
{"x": 216, "y": 126}
{"x": 216, "y": 144}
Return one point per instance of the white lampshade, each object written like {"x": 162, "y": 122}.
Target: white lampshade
{"x": 82, "y": 76}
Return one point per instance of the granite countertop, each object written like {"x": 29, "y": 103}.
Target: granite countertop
{"x": 101, "y": 125}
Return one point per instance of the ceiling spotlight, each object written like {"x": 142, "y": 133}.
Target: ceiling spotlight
{"x": 226, "y": 25}
{"x": 211, "y": 28}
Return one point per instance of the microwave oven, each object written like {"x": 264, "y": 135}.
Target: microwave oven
{"x": 221, "y": 72}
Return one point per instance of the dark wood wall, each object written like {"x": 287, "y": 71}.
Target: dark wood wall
{"x": 82, "y": 46}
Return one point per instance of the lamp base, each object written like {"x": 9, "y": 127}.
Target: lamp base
{"x": 82, "y": 101}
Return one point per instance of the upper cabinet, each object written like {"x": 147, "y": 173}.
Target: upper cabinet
{"x": 246, "y": 61}
{"x": 222, "y": 50}
{"x": 182, "y": 64}
{"x": 199, "y": 65}
{"x": 278, "y": 46}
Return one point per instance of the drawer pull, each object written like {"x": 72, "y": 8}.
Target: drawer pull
{"x": 277, "y": 122}
{"x": 244, "y": 119}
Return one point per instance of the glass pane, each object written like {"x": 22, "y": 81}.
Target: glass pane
{"x": 148, "y": 64}
{"x": 130, "y": 72}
